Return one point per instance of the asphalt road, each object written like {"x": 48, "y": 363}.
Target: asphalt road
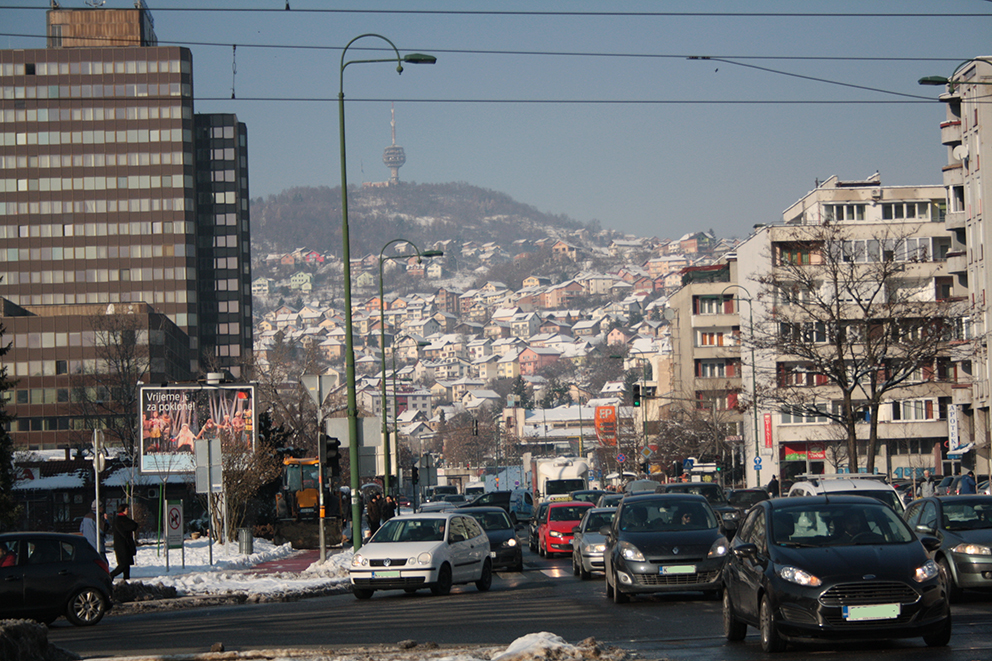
{"x": 545, "y": 597}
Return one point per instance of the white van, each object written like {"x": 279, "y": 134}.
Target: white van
{"x": 848, "y": 484}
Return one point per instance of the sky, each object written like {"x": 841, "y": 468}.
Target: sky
{"x": 589, "y": 109}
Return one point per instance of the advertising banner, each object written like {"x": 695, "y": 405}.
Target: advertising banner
{"x": 606, "y": 425}
{"x": 174, "y": 417}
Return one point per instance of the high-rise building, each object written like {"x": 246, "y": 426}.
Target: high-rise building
{"x": 113, "y": 194}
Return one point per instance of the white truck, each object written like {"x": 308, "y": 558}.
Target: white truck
{"x": 553, "y": 478}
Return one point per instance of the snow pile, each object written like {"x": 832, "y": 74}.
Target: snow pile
{"x": 546, "y": 646}
{"x": 335, "y": 566}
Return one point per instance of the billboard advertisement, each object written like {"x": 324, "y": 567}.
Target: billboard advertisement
{"x": 174, "y": 417}
{"x": 606, "y": 425}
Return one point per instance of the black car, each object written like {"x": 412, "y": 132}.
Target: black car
{"x": 729, "y": 515}
{"x": 843, "y": 568}
{"x": 744, "y": 499}
{"x": 586, "y": 495}
{"x": 663, "y": 543}
{"x": 963, "y": 524}
{"x": 539, "y": 515}
{"x": 504, "y": 549}
{"x": 45, "y": 575}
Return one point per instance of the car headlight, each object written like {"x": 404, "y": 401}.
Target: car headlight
{"x": 630, "y": 552}
{"x": 424, "y": 558}
{"x": 972, "y": 549}
{"x": 510, "y": 542}
{"x": 555, "y": 533}
{"x": 598, "y": 548}
{"x": 798, "y": 576}
{"x": 719, "y": 549}
{"x": 359, "y": 561}
{"x": 926, "y": 572}
{"x": 731, "y": 516}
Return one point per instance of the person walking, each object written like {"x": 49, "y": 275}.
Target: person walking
{"x": 388, "y": 508}
{"x": 773, "y": 489}
{"x": 125, "y": 547}
{"x": 93, "y": 531}
{"x": 373, "y": 511}
{"x": 968, "y": 484}
{"x": 927, "y": 486}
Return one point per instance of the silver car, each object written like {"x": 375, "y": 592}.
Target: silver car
{"x": 588, "y": 544}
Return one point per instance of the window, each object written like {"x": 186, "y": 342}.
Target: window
{"x": 906, "y": 211}
{"x": 912, "y": 410}
{"x": 844, "y": 212}
{"x": 710, "y": 339}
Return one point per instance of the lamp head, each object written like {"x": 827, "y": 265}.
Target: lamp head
{"x": 933, "y": 80}
{"x": 419, "y": 58}
{"x": 432, "y": 253}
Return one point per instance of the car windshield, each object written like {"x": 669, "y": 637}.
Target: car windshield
{"x": 837, "y": 524}
{"x": 492, "y": 520}
{"x": 890, "y": 498}
{"x": 587, "y": 496}
{"x": 711, "y": 492}
{"x": 666, "y": 516}
{"x": 610, "y": 499}
{"x": 747, "y": 498}
{"x": 410, "y": 530}
{"x": 599, "y": 519}
{"x": 567, "y": 513}
{"x": 967, "y": 515}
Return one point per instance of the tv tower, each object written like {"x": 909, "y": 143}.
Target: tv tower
{"x": 393, "y": 157}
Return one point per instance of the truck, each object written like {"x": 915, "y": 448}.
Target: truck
{"x": 298, "y": 505}
{"x": 553, "y": 478}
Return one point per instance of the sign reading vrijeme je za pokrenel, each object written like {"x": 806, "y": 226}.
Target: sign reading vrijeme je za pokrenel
{"x": 173, "y": 418}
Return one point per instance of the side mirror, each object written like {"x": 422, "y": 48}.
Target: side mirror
{"x": 745, "y": 550}
{"x": 576, "y": 530}
{"x": 605, "y": 531}
{"x": 930, "y": 543}
{"x": 923, "y": 529}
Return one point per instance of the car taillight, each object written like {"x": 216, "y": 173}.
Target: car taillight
{"x": 102, "y": 564}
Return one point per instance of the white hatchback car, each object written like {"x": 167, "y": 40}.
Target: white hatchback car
{"x": 848, "y": 484}
{"x": 413, "y": 552}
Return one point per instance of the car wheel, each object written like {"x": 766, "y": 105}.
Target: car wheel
{"x": 609, "y": 587}
{"x": 519, "y": 567}
{"x": 618, "y": 596}
{"x": 540, "y": 549}
{"x": 575, "y": 567}
{"x": 733, "y": 629}
{"x": 86, "y": 607}
{"x": 410, "y": 590}
{"x": 939, "y": 638}
{"x": 583, "y": 573}
{"x": 771, "y": 642}
{"x": 443, "y": 585}
{"x": 362, "y": 593}
{"x": 486, "y": 580}
{"x": 953, "y": 591}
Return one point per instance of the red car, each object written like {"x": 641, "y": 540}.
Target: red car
{"x": 554, "y": 533}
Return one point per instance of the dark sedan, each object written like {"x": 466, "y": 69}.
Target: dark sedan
{"x": 45, "y": 575}
{"x": 504, "y": 549}
{"x": 842, "y": 568}
{"x": 963, "y": 524}
{"x": 663, "y": 543}
{"x": 728, "y": 514}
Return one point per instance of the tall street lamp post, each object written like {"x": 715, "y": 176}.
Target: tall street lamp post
{"x": 349, "y": 354}
{"x": 754, "y": 370}
{"x": 387, "y": 467}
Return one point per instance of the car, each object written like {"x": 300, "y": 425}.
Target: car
{"x": 437, "y": 506}
{"x": 609, "y": 499}
{"x": 640, "y": 486}
{"x": 455, "y": 498}
{"x": 858, "y": 484}
{"x": 586, "y": 495}
{"x": 664, "y": 542}
{"x": 984, "y": 488}
{"x": 944, "y": 485}
{"x": 504, "y": 549}
{"x": 47, "y": 575}
{"x": 744, "y": 499}
{"x": 417, "y": 551}
{"x": 554, "y": 534}
{"x": 518, "y": 503}
{"x": 535, "y": 525}
{"x": 589, "y": 543}
{"x": 963, "y": 524}
{"x": 728, "y": 514}
{"x": 832, "y": 568}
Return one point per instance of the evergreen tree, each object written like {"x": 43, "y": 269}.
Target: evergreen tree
{"x": 10, "y": 512}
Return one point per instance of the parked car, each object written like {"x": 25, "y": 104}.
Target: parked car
{"x": 832, "y": 568}
{"x": 667, "y": 542}
{"x": 963, "y": 524}
{"x": 854, "y": 484}
{"x": 609, "y": 499}
{"x": 714, "y": 495}
{"x": 586, "y": 495}
{"x": 535, "y": 526}
{"x": 47, "y": 575}
{"x": 554, "y": 533}
{"x": 420, "y": 551}
{"x": 944, "y": 485}
{"x": 588, "y": 541}
{"x": 504, "y": 549}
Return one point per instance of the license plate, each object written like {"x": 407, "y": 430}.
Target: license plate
{"x": 878, "y": 612}
{"x": 385, "y": 574}
{"x": 492, "y": 554}
{"x": 678, "y": 569}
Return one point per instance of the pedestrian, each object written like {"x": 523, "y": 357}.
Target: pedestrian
{"x": 388, "y": 508}
{"x": 93, "y": 531}
{"x": 927, "y": 486}
{"x": 125, "y": 547}
{"x": 967, "y": 484}
{"x": 772, "y": 488}
{"x": 373, "y": 511}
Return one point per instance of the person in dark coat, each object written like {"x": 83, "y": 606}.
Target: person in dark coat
{"x": 388, "y": 508}
{"x": 124, "y": 545}
{"x": 373, "y": 511}
{"x": 773, "y": 488}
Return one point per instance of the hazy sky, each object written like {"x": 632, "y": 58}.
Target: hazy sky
{"x": 586, "y": 108}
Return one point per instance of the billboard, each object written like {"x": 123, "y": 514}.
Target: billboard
{"x": 606, "y": 425}
{"x": 174, "y": 417}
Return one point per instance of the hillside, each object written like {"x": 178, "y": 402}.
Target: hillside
{"x": 422, "y": 213}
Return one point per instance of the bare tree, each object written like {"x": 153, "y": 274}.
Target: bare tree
{"x": 851, "y": 318}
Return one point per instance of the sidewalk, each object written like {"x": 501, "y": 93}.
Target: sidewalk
{"x": 297, "y": 562}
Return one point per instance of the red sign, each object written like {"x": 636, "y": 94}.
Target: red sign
{"x": 606, "y": 425}
{"x": 768, "y": 430}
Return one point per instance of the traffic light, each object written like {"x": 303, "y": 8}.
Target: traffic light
{"x": 329, "y": 454}
{"x": 637, "y": 394}
{"x": 415, "y": 475}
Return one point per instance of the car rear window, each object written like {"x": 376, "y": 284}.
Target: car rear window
{"x": 569, "y": 513}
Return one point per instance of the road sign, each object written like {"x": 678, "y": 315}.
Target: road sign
{"x": 646, "y": 452}
{"x": 757, "y": 463}
{"x": 688, "y": 464}
{"x": 621, "y": 458}
{"x": 174, "y": 524}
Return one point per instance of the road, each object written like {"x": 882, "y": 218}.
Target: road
{"x": 545, "y": 597}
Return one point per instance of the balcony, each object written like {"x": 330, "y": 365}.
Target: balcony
{"x": 957, "y": 262}
{"x": 718, "y": 321}
{"x": 955, "y": 220}
{"x": 950, "y": 132}
{"x": 953, "y": 174}
{"x": 961, "y": 394}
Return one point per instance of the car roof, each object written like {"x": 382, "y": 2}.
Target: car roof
{"x": 842, "y": 484}
{"x": 40, "y": 535}
{"x": 563, "y": 503}
{"x": 668, "y": 496}
{"x": 480, "y": 509}
{"x": 796, "y": 501}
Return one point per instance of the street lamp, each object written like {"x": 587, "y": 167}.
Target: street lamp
{"x": 754, "y": 370}
{"x": 349, "y": 353}
{"x": 950, "y": 82}
{"x": 382, "y": 349}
